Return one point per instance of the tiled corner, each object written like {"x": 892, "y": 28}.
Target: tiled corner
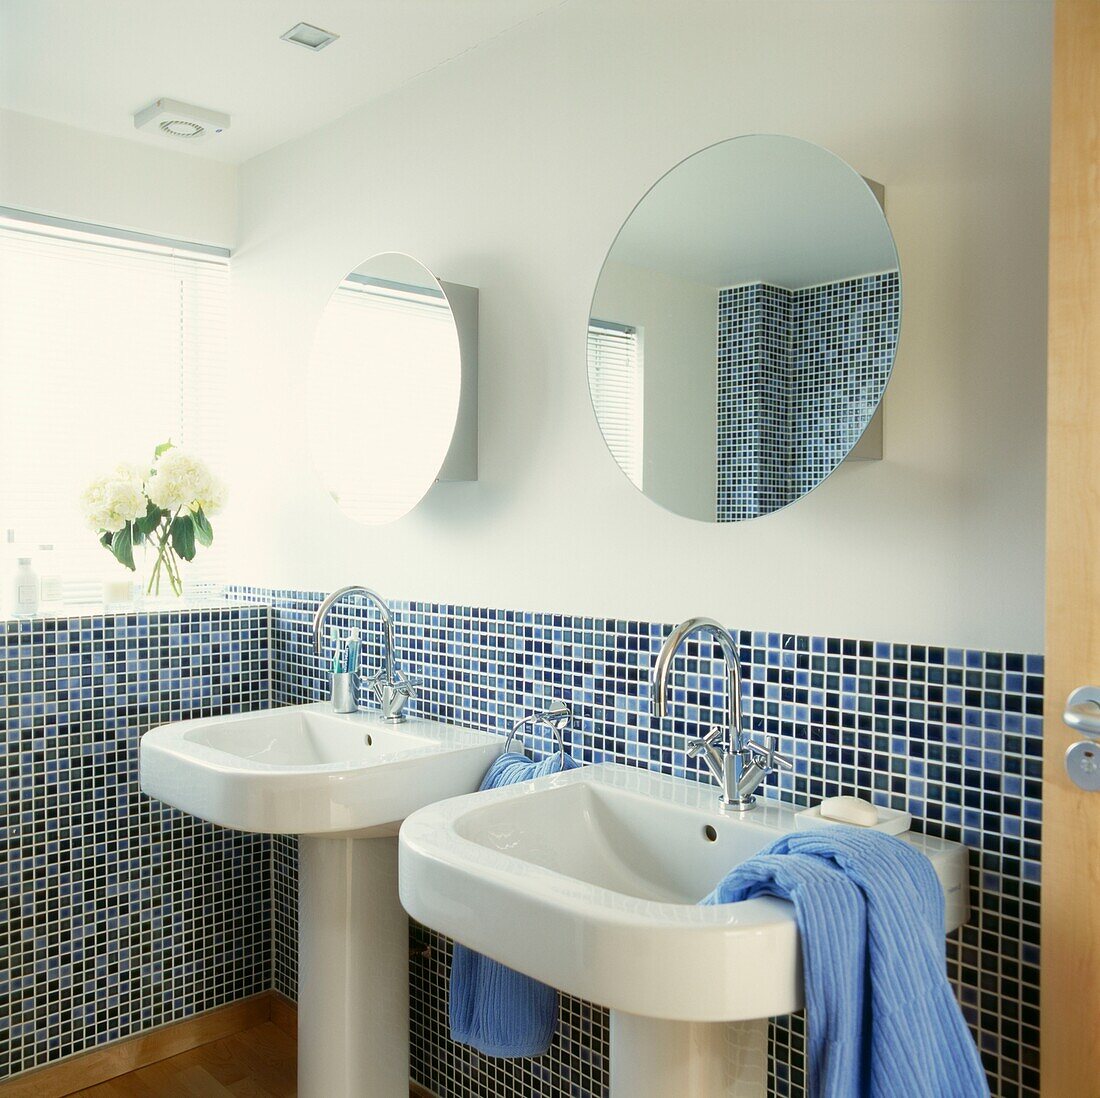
{"x": 800, "y": 372}
{"x": 119, "y": 913}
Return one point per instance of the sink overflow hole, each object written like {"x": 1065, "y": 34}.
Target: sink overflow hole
{"x": 709, "y": 834}
{"x": 369, "y": 740}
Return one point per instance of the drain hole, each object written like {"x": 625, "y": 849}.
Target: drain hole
{"x": 369, "y": 740}
{"x": 710, "y": 834}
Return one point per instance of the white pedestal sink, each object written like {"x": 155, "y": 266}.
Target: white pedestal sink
{"x": 590, "y": 880}
{"x": 343, "y": 783}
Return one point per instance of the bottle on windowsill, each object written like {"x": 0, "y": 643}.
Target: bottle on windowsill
{"x": 49, "y": 580}
{"x": 24, "y": 589}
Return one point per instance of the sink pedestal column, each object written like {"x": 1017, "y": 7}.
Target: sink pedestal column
{"x": 655, "y": 1058}
{"x": 353, "y": 971}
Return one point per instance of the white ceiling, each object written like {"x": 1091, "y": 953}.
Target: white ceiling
{"x": 759, "y": 208}
{"x": 92, "y": 64}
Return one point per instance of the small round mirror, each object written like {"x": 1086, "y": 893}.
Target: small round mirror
{"x": 743, "y": 327}
{"x": 384, "y": 377}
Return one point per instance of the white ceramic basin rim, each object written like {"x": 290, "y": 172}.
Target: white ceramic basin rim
{"x": 296, "y": 738}
{"x": 305, "y": 770}
{"x": 590, "y": 881}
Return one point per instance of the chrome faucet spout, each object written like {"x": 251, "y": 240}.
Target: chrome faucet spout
{"x": 728, "y": 645}
{"x": 370, "y": 596}
{"x": 391, "y": 688}
{"x": 736, "y": 763}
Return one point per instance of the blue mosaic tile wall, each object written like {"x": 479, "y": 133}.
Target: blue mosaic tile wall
{"x": 753, "y": 416}
{"x": 800, "y": 373}
{"x": 119, "y": 914}
{"x": 953, "y": 736}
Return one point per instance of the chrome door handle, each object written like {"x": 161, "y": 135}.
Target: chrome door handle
{"x": 1082, "y": 712}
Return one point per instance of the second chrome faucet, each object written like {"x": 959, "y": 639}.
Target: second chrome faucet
{"x": 736, "y": 762}
{"x": 391, "y": 687}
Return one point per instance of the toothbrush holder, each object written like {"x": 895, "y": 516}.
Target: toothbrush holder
{"x": 345, "y": 692}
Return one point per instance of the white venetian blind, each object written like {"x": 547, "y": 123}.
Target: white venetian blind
{"x": 108, "y": 346}
{"x": 615, "y": 380}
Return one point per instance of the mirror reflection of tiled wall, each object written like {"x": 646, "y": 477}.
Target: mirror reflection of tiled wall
{"x": 800, "y": 372}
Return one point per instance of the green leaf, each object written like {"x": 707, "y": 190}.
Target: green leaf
{"x": 164, "y": 447}
{"x": 105, "y": 539}
{"x": 122, "y": 546}
{"x": 204, "y": 532}
{"x": 183, "y": 537}
{"x": 150, "y": 520}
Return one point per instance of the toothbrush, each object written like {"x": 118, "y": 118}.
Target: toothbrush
{"x": 353, "y": 647}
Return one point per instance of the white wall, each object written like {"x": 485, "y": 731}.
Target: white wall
{"x": 512, "y": 169}
{"x": 50, "y": 168}
{"x": 678, "y": 322}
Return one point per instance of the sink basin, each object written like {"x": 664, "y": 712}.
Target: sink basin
{"x": 590, "y": 881}
{"x": 305, "y": 770}
{"x": 343, "y": 783}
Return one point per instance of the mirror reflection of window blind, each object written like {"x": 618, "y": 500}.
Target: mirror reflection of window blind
{"x": 615, "y": 379}
{"x": 108, "y": 346}
{"x": 390, "y": 352}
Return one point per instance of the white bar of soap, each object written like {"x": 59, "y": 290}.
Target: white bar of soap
{"x": 849, "y": 810}
{"x": 855, "y": 812}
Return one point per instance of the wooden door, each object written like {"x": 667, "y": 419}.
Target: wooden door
{"x": 1070, "y": 956}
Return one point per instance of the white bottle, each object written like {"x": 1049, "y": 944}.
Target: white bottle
{"x": 49, "y": 580}
{"x": 24, "y": 590}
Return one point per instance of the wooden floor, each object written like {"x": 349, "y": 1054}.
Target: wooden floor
{"x": 256, "y": 1063}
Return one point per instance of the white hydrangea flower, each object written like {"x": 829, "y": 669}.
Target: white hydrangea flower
{"x": 93, "y": 500}
{"x": 212, "y": 498}
{"x": 133, "y": 472}
{"x": 182, "y": 480}
{"x": 114, "y": 500}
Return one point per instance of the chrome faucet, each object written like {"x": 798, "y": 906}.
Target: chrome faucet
{"x": 391, "y": 687}
{"x": 736, "y": 762}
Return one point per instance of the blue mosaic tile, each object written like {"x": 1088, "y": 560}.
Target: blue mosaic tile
{"x": 119, "y": 913}
{"x": 800, "y": 372}
{"x": 885, "y": 720}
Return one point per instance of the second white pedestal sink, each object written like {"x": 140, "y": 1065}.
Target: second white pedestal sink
{"x": 590, "y": 880}
{"x": 343, "y": 783}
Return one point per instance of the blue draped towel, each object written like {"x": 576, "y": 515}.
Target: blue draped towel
{"x": 881, "y": 1016}
{"x": 496, "y": 1010}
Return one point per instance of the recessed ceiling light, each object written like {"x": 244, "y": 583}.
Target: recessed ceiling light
{"x": 313, "y": 38}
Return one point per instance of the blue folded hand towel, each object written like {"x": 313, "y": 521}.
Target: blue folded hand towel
{"x": 496, "y": 1010}
{"x": 882, "y": 1019}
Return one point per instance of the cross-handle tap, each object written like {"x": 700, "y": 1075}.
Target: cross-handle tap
{"x": 391, "y": 687}
{"x": 736, "y": 762}
{"x": 393, "y": 693}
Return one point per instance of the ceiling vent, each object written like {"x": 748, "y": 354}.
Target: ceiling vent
{"x": 180, "y": 121}
{"x": 313, "y": 38}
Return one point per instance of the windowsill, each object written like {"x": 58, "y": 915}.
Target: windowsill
{"x": 71, "y": 611}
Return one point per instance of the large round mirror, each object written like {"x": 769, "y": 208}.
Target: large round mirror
{"x": 743, "y": 327}
{"x": 384, "y": 378}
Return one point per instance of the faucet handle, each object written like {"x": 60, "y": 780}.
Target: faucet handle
{"x": 400, "y": 684}
{"x": 768, "y": 757}
{"x": 695, "y": 748}
{"x": 409, "y": 685}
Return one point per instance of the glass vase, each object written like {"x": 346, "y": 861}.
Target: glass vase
{"x": 161, "y": 582}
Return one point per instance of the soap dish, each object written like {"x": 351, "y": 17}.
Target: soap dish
{"x": 890, "y": 820}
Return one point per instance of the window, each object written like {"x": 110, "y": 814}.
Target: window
{"x": 109, "y": 344}
{"x": 615, "y": 379}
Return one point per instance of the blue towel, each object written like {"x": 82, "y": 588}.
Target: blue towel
{"x": 882, "y": 1019}
{"x": 496, "y": 1010}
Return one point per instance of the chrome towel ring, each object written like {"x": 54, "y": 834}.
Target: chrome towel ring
{"x": 557, "y": 717}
